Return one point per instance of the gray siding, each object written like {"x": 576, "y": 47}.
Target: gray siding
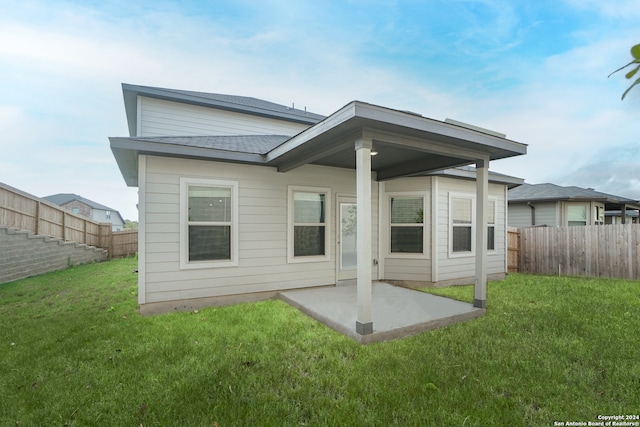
{"x": 454, "y": 267}
{"x": 263, "y": 194}
{"x": 163, "y": 118}
{"x": 399, "y": 267}
{"x": 546, "y": 214}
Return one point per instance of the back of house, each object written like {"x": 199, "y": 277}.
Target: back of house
{"x": 240, "y": 198}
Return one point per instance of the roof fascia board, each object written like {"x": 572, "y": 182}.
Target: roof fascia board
{"x": 425, "y": 124}
{"x": 340, "y": 116}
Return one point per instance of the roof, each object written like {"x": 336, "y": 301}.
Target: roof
{"x": 62, "y": 199}
{"x": 468, "y": 172}
{"x": 408, "y": 144}
{"x": 249, "y": 144}
{"x": 242, "y": 104}
{"x": 552, "y": 192}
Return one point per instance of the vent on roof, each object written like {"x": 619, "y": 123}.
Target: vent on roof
{"x": 413, "y": 113}
{"x": 476, "y": 128}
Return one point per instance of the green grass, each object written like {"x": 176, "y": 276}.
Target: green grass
{"x": 75, "y": 352}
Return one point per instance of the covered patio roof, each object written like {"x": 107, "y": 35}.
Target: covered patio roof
{"x": 406, "y": 143}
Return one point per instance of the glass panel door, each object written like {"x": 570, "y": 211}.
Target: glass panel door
{"x": 347, "y": 242}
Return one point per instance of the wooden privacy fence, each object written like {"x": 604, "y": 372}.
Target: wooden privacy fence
{"x": 27, "y": 212}
{"x": 513, "y": 250}
{"x": 611, "y": 250}
{"x": 123, "y": 243}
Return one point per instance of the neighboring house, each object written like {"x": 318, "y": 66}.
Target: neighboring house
{"x": 88, "y": 208}
{"x": 553, "y": 205}
{"x": 240, "y": 198}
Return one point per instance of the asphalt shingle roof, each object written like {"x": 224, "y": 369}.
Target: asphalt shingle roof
{"x": 532, "y": 192}
{"x": 254, "y": 144}
{"x": 64, "y": 198}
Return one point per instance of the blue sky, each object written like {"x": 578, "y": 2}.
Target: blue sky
{"x": 536, "y": 71}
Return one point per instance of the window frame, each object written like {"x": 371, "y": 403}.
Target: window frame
{"x": 585, "y": 209}
{"x": 291, "y": 258}
{"x": 472, "y": 198}
{"x": 426, "y": 220}
{"x": 185, "y": 263}
{"x": 491, "y": 223}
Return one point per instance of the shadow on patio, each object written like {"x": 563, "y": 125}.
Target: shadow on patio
{"x": 397, "y": 312}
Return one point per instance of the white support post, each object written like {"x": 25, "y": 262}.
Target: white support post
{"x": 482, "y": 193}
{"x": 364, "y": 320}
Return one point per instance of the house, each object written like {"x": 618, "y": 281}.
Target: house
{"x": 240, "y": 198}
{"x": 553, "y": 205}
{"x": 88, "y": 208}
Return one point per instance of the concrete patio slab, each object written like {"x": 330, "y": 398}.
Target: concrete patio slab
{"x": 397, "y": 312}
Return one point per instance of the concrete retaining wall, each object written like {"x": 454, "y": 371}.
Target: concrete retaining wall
{"x": 23, "y": 254}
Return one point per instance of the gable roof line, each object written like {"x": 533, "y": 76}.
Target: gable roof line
{"x": 548, "y": 192}
{"x": 241, "y": 104}
{"x": 61, "y": 199}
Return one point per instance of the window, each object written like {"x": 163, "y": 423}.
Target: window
{"x": 407, "y": 224}
{"x": 75, "y": 210}
{"x": 577, "y": 215}
{"x": 599, "y": 215}
{"x": 461, "y": 224}
{"x": 308, "y": 228}
{"x": 491, "y": 225}
{"x": 107, "y": 214}
{"x": 209, "y": 210}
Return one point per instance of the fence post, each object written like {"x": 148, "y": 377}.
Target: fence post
{"x": 37, "y": 227}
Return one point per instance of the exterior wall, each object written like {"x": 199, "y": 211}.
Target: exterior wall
{"x": 263, "y": 200}
{"x": 590, "y": 208}
{"x": 546, "y": 213}
{"x": 114, "y": 218}
{"x": 163, "y": 118}
{"x": 23, "y": 254}
{"x": 83, "y": 209}
{"x": 405, "y": 267}
{"x": 551, "y": 214}
{"x": 460, "y": 268}
{"x": 519, "y": 215}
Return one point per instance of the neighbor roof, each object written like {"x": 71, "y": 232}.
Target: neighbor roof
{"x": 62, "y": 199}
{"x": 243, "y": 104}
{"x": 551, "y": 192}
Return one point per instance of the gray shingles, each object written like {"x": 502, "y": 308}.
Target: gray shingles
{"x": 253, "y": 144}
{"x": 533, "y": 192}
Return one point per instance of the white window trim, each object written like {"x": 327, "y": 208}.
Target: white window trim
{"x": 291, "y": 189}
{"x": 426, "y": 217}
{"x": 495, "y": 225}
{"x": 185, "y": 264}
{"x": 471, "y": 197}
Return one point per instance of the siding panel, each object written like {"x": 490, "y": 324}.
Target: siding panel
{"x": 452, "y": 267}
{"x": 262, "y": 229}
{"x": 164, "y": 118}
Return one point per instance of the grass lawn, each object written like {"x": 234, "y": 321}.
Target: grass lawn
{"x": 75, "y": 352}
